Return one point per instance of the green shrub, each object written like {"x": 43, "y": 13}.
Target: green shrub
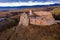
{"x": 56, "y": 13}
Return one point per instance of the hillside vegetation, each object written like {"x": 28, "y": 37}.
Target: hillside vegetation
{"x": 56, "y": 13}
{"x": 10, "y": 30}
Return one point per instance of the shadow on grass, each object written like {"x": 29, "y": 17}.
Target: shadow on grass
{"x": 8, "y": 23}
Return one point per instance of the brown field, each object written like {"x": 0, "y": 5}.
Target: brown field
{"x": 33, "y": 32}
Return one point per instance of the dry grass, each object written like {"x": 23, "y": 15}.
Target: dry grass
{"x": 38, "y": 33}
{"x": 32, "y": 32}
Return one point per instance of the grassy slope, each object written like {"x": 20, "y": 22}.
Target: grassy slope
{"x": 32, "y": 32}
{"x": 39, "y": 33}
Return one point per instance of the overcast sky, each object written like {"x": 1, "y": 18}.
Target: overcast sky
{"x": 28, "y": 0}
{"x": 4, "y": 3}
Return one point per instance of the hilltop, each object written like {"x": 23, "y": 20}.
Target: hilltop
{"x": 9, "y": 29}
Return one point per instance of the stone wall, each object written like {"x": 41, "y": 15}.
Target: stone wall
{"x": 45, "y": 18}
